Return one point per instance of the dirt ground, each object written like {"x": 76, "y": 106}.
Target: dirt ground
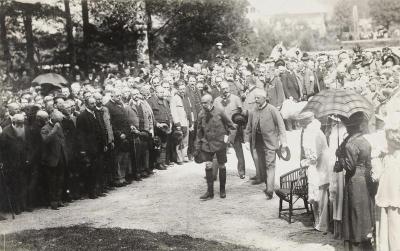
{"x": 169, "y": 202}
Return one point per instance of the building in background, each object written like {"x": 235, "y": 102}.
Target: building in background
{"x": 292, "y": 13}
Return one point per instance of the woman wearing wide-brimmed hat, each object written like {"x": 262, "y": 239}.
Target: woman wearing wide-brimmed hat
{"x": 354, "y": 156}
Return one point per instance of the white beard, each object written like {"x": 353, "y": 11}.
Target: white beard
{"x": 19, "y": 131}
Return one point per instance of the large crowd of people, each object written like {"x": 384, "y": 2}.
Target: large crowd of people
{"x": 117, "y": 125}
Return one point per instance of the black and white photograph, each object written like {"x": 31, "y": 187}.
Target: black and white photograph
{"x": 200, "y": 125}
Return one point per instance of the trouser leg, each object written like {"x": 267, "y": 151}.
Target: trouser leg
{"x": 270, "y": 159}
{"x": 258, "y": 156}
{"x": 237, "y": 146}
{"x": 60, "y": 180}
{"x": 162, "y": 157}
{"x": 179, "y": 153}
{"x": 152, "y": 153}
{"x": 121, "y": 167}
{"x": 185, "y": 142}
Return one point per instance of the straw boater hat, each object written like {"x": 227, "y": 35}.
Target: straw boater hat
{"x": 306, "y": 116}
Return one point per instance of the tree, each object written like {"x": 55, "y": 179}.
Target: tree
{"x": 116, "y": 23}
{"x": 192, "y": 27}
{"x": 86, "y": 32}
{"x": 5, "y": 50}
{"x": 70, "y": 38}
{"x": 385, "y": 12}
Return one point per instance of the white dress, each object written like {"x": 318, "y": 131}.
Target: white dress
{"x": 316, "y": 157}
{"x": 388, "y": 201}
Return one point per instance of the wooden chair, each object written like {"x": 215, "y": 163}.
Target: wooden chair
{"x": 293, "y": 186}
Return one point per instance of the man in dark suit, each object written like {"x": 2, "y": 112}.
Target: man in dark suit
{"x": 265, "y": 132}
{"x": 290, "y": 82}
{"x": 14, "y": 153}
{"x": 71, "y": 181}
{"x": 163, "y": 120}
{"x": 54, "y": 158}
{"x": 211, "y": 140}
{"x": 92, "y": 144}
{"x": 121, "y": 128}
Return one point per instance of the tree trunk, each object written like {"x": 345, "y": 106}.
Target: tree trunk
{"x": 86, "y": 35}
{"x": 5, "y": 56}
{"x": 70, "y": 38}
{"x": 29, "y": 41}
{"x": 150, "y": 32}
{"x": 142, "y": 47}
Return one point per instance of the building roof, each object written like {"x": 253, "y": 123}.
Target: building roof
{"x": 274, "y": 7}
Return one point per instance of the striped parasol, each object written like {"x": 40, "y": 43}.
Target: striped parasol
{"x": 338, "y": 102}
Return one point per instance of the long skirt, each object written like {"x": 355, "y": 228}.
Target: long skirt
{"x": 321, "y": 210}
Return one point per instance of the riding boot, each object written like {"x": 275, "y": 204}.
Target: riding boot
{"x": 210, "y": 185}
{"x": 222, "y": 181}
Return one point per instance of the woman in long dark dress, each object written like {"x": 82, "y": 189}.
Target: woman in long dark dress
{"x": 358, "y": 202}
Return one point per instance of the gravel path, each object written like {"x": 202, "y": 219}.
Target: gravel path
{"x": 169, "y": 202}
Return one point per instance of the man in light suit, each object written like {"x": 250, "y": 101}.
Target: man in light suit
{"x": 181, "y": 122}
{"x": 265, "y": 133}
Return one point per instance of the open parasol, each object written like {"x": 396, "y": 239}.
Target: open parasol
{"x": 50, "y": 79}
{"x": 338, "y": 102}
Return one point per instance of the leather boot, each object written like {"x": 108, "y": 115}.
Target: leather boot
{"x": 222, "y": 181}
{"x": 210, "y": 185}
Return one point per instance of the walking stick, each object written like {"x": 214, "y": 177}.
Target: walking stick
{"x": 3, "y": 181}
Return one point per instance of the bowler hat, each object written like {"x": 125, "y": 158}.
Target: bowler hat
{"x": 177, "y": 136}
{"x": 305, "y": 57}
{"x": 279, "y": 62}
{"x": 279, "y": 153}
{"x": 239, "y": 119}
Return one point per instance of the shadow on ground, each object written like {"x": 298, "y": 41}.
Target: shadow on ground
{"x": 86, "y": 238}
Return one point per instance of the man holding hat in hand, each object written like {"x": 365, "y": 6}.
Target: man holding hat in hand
{"x": 265, "y": 132}
{"x": 232, "y": 104}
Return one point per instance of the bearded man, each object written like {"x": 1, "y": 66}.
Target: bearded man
{"x": 265, "y": 132}
{"x": 54, "y": 158}
{"x": 14, "y": 152}
{"x": 103, "y": 115}
{"x": 211, "y": 140}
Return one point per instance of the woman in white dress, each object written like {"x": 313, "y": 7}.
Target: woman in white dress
{"x": 388, "y": 195}
{"x": 314, "y": 154}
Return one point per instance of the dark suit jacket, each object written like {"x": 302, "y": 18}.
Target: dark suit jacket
{"x": 290, "y": 85}
{"x": 91, "y": 137}
{"x": 53, "y": 147}
{"x": 211, "y": 133}
{"x": 119, "y": 121}
{"x": 14, "y": 150}
{"x": 271, "y": 125}
{"x": 161, "y": 111}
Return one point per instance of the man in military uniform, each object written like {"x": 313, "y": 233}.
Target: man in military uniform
{"x": 212, "y": 139}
